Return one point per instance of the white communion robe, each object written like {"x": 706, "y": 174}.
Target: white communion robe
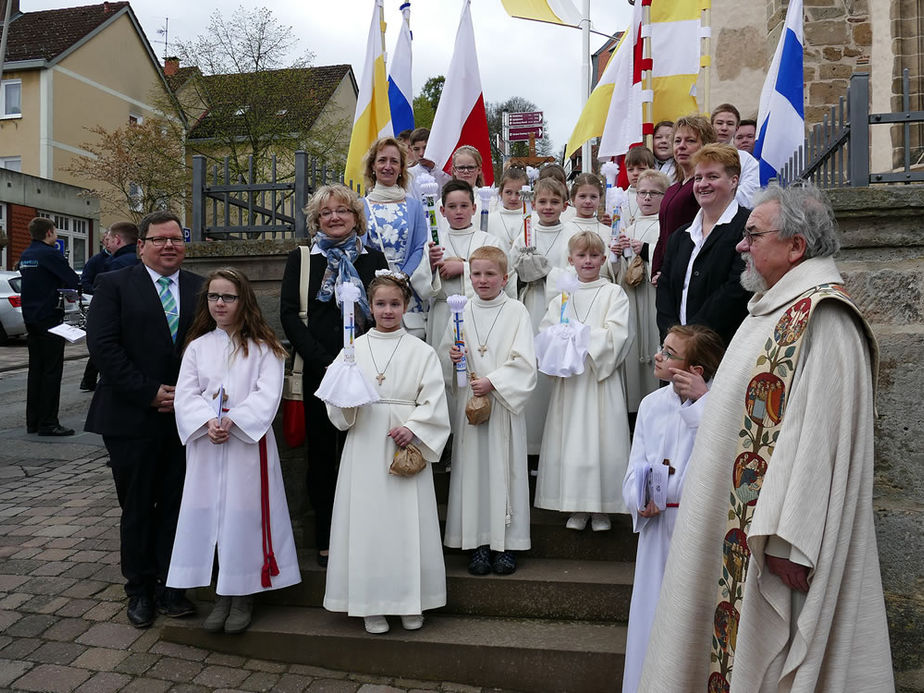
{"x": 639, "y": 368}
{"x": 385, "y": 552}
{"x": 552, "y": 242}
{"x": 585, "y": 447}
{"x": 665, "y": 430}
{"x": 816, "y": 498}
{"x": 602, "y": 230}
{"x": 489, "y": 483}
{"x": 506, "y": 225}
{"x": 459, "y": 243}
{"x": 221, "y": 495}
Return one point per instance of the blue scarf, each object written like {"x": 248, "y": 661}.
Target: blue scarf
{"x": 341, "y": 254}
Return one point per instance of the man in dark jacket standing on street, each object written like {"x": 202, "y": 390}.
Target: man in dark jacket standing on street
{"x": 44, "y": 270}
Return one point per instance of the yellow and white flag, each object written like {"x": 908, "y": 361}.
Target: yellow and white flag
{"x": 675, "y": 56}
{"x": 373, "y": 112}
{"x": 551, "y": 11}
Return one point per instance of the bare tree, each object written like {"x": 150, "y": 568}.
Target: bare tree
{"x": 135, "y": 169}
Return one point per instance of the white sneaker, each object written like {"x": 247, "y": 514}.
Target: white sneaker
{"x": 376, "y": 624}
{"x": 577, "y": 521}
{"x": 600, "y": 522}
{"x": 412, "y": 622}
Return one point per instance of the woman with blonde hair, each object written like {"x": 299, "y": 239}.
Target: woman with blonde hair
{"x": 312, "y": 321}
{"x": 397, "y": 226}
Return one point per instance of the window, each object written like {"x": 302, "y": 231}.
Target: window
{"x": 11, "y": 163}
{"x": 135, "y": 119}
{"x": 11, "y": 98}
{"x": 72, "y": 235}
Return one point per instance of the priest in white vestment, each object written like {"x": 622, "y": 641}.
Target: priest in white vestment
{"x": 808, "y": 614}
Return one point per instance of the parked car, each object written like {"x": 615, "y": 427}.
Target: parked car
{"x": 11, "y": 324}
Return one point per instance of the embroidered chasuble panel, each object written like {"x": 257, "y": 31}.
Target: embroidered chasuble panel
{"x": 764, "y": 403}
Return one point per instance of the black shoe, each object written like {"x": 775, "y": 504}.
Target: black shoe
{"x": 173, "y": 602}
{"x": 87, "y": 386}
{"x": 141, "y": 610}
{"x": 481, "y": 561}
{"x": 322, "y": 559}
{"x": 505, "y": 563}
{"x": 57, "y": 430}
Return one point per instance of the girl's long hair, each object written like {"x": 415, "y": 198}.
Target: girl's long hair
{"x": 250, "y": 326}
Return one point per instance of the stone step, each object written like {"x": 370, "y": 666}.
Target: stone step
{"x": 541, "y": 588}
{"x": 512, "y": 654}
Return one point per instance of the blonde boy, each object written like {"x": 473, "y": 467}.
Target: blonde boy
{"x": 488, "y": 510}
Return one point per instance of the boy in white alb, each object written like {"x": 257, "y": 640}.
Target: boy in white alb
{"x": 585, "y": 445}
{"x": 537, "y": 268}
{"x": 457, "y": 244}
{"x": 668, "y": 420}
{"x": 489, "y": 487}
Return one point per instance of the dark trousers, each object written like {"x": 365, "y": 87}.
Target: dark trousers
{"x": 43, "y": 389}
{"x": 90, "y": 374}
{"x": 324, "y": 446}
{"x": 148, "y": 474}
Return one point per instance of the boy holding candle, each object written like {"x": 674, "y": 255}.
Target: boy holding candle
{"x": 456, "y": 245}
{"x": 585, "y": 445}
{"x": 488, "y": 510}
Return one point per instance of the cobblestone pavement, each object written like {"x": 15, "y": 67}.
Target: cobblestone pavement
{"x": 62, "y": 607}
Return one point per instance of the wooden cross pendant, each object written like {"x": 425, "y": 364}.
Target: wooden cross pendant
{"x": 380, "y": 377}
{"x": 483, "y": 349}
{"x": 670, "y": 470}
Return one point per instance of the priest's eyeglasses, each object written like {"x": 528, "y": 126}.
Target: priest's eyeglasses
{"x": 749, "y": 235}
{"x": 225, "y": 298}
{"x": 663, "y": 352}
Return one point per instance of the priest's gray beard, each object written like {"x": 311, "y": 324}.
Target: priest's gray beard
{"x": 750, "y": 278}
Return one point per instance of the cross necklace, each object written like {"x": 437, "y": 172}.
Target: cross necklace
{"x": 380, "y": 374}
{"x": 483, "y": 346}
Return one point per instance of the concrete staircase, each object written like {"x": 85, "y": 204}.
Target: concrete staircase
{"x": 557, "y": 624}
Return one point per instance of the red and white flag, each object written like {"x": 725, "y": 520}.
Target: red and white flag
{"x": 460, "y": 116}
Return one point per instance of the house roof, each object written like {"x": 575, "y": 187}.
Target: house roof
{"x": 46, "y": 34}
{"x": 297, "y": 94}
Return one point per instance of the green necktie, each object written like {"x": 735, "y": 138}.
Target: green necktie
{"x": 169, "y": 304}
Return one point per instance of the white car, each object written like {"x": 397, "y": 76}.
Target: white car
{"x": 11, "y": 324}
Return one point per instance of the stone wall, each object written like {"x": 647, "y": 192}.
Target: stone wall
{"x": 882, "y": 260}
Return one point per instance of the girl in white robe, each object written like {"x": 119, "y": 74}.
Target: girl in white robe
{"x": 385, "y": 551}
{"x": 585, "y": 446}
{"x": 668, "y": 419}
{"x": 586, "y": 195}
{"x": 537, "y": 270}
{"x": 227, "y": 395}
{"x": 641, "y": 238}
{"x": 489, "y": 486}
{"x": 505, "y": 222}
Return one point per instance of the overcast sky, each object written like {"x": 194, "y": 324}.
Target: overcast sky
{"x": 537, "y": 61}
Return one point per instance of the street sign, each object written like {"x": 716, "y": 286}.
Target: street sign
{"x": 518, "y": 120}
{"x": 522, "y": 134}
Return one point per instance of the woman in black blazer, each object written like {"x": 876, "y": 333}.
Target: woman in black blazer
{"x": 336, "y": 223}
{"x": 702, "y": 255}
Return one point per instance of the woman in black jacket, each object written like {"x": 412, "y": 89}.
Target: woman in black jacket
{"x": 700, "y": 279}
{"x": 336, "y": 223}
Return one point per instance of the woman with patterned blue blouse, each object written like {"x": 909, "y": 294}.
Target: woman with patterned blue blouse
{"x": 398, "y": 227}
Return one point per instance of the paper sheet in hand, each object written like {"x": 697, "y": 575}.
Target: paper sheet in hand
{"x": 657, "y": 485}
{"x": 69, "y": 332}
{"x": 641, "y": 488}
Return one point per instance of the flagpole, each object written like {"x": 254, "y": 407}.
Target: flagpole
{"x": 706, "y": 56}
{"x": 586, "y": 163}
{"x": 382, "y": 26}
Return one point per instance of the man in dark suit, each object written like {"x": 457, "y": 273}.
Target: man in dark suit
{"x": 136, "y": 327}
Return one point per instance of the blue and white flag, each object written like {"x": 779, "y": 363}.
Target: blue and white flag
{"x": 400, "y": 91}
{"x": 781, "y": 117}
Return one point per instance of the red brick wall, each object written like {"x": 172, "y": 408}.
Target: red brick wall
{"x": 18, "y": 231}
